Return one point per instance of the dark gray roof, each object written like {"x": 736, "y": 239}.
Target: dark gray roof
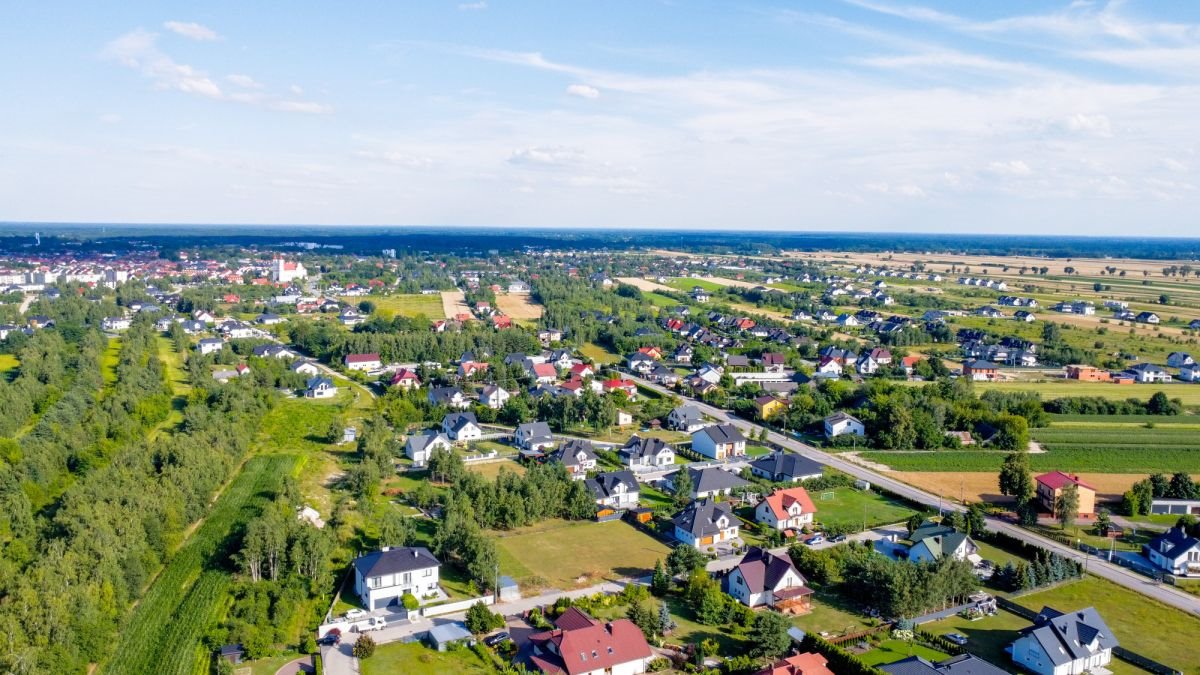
{"x": 1174, "y": 543}
{"x": 637, "y": 447}
{"x": 443, "y": 394}
{"x": 1065, "y": 637}
{"x": 700, "y": 517}
{"x": 963, "y": 664}
{"x": 568, "y": 452}
{"x": 402, "y": 559}
{"x": 713, "y": 479}
{"x": 763, "y": 570}
{"x": 687, "y": 413}
{"x": 723, "y": 433}
{"x": 316, "y": 381}
{"x": 420, "y": 441}
{"x": 786, "y": 466}
{"x": 603, "y": 484}
{"x": 536, "y": 431}
{"x": 913, "y": 665}
{"x": 456, "y": 421}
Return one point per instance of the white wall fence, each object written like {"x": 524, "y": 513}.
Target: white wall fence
{"x": 455, "y": 607}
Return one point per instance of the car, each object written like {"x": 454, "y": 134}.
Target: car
{"x": 957, "y": 638}
{"x": 493, "y": 640}
{"x": 376, "y": 623}
{"x": 356, "y": 614}
{"x": 332, "y": 638}
{"x": 815, "y": 539}
{"x": 838, "y": 539}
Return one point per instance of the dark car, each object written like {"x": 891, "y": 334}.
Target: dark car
{"x": 838, "y": 539}
{"x": 332, "y": 638}
{"x": 493, "y": 640}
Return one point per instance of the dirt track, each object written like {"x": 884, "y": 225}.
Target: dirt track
{"x": 454, "y": 303}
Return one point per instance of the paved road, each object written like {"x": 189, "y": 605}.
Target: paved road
{"x": 1095, "y": 565}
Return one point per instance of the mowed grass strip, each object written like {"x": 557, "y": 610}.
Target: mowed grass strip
{"x": 1098, "y": 459}
{"x": 164, "y": 631}
{"x": 568, "y": 554}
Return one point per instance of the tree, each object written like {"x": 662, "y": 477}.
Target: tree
{"x": 1182, "y": 487}
{"x": 1066, "y": 507}
{"x": 1051, "y": 332}
{"x": 480, "y": 619}
{"x": 643, "y": 617}
{"x": 915, "y": 521}
{"x": 1015, "y": 477}
{"x": 364, "y": 648}
{"x": 1159, "y": 485}
{"x": 665, "y": 623}
{"x": 1159, "y": 404}
{"x": 395, "y": 529}
{"x": 1012, "y": 432}
{"x": 660, "y": 582}
{"x": 683, "y": 487}
{"x": 684, "y": 558}
{"x": 976, "y": 520}
{"x": 770, "y": 635}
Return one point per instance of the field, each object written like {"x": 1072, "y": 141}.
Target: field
{"x": 1058, "y": 388}
{"x": 490, "y": 470}
{"x": 659, "y": 300}
{"x": 646, "y": 284}
{"x": 414, "y": 658}
{"x": 1097, "y": 459}
{"x": 414, "y": 304}
{"x": 520, "y": 306}
{"x": 598, "y": 354}
{"x": 890, "y": 651}
{"x": 849, "y": 507}
{"x": 1141, "y": 624}
{"x": 982, "y": 486}
{"x": 563, "y": 554}
{"x": 166, "y": 630}
{"x": 454, "y": 303}
{"x": 109, "y": 360}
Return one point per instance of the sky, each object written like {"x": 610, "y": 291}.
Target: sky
{"x": 867, "y": 115}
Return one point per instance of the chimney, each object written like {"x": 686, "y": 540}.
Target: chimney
{"x": 414, "y": 552}
{"x": 385, "y": 549}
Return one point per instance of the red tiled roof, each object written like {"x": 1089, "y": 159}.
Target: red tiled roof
{"x": 544, "y": 370}
{"x": 809, "y": 663}
{"x": 592, "y": 647}
{"x": 361, "y": 358}
{"x": 780, "y": 500}
{"x": 1056, "y": 480}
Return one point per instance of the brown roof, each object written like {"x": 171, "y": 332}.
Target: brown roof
{"x": 809, "y": 663}
{"x": 583, "y": 649}
{"x": 573, "y": 619}
{"x": 1056, "y": 480}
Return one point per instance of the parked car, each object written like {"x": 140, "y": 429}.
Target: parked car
{"x": 493, "y": 640}
{"x": 957, "y": 638}
{"x": 815, "y": 539}
{"x": 376, "y": 623}
{"x": 332, "y": 638}
{"x": 356, "y": 614}
{"x": 838, "y": 539}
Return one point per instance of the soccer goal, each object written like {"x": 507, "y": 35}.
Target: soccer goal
{"x": 828, "y": 496}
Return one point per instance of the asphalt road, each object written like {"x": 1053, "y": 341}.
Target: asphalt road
{"x": 1095, "y": 565}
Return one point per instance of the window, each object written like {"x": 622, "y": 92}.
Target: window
{"x": 428, "y": 572}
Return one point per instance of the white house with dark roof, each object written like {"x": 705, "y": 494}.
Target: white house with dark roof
{"x": 719, "y": 441}
{"x": 451, "y": 397}
{"x": 784, "y": 467}
{"x": 461, "y": 427}
{"x": 304, "y": 367}
{"x": 1174, "y": 552}
{"x": 420, "y": 446}
{"x": 933, "y": 542}
{"x": 615, "y": 489}
{"x": 533, "y": 436}
{"x": 841, "y": 423}
{"x": 705, "y": 522}
{"x": 687, "y": 418}
{"x": 382, "y": 578}
{"x": 710, "y": 482}
{"x": 494, "y": 396}
{"x": 319, "y": 387}
{"x": 210, "y": 345}
{"x": 765, "y": 579}
{"x": 576, "y": 455}
{"x": 645, "y": 453}
{"x": 1065, "y": 644}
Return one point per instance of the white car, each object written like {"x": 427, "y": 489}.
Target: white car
{"x": 356, "y": 614}
{"x": 376, "y": 623}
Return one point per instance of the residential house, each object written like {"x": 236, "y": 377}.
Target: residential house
{"x": 1050, "y": 487}
{"x": 494, "y": 396}
{"x": 684, "y": 353}
{"x": 1065, "y": 644}
{"x": 1025, "y": 316}
{"x": 541, "y": 373}
{"x": 114, "y": 323}
{"x": 705, "y": 522}
{"x": 1148, "y": 317}
{"x": 788, "y": 509}
{"x": 808, "y": 663}
{"x": 980, "y": 371}
{"x": 773, "y": 362}
{"x": 686, "y": 418}
{"x": 273, "y": 351}
{"x": 363, "y": 362}
{"x": 828, "y": 367}
{"x": 451, "y": 397}
{"x": 382, "y": 578}
{"x": 319, "y": 387}
{"x": 420, "y": 446}
{"x": 765, "y": 579}
{"x": 719, "y": 441}
{"x": 644, "y": 453}
{"x": 934, "y": 542}
{"x": 766, "y": 407}
{"x": 405, "y": 379}
{"x": 1085, "y": 373}
{"x": 210, "y": 345}
{"x": 581, "y": 645}
{"x": 304, "y": 367}
{"x": 615, "y": 490}
{"x": 268, "y": 319}
{"x": 617, "y": 384}
{"x": 533, "y": 436}
{"x": 1148, "y": 373}
{"x": 1190, "y": 373}
{"x": 709, "y": 482}
{"x": 963, "y": 664}
{"x": 640, "y": 363}
{"x": 468, "y": 369}
{"x": 781, "y": 467}
{"x": 1174, "y": 552}
{"x": 462, "y": 427}
{"x": 841, "y": 423}
{"x": 1180, "y": 359}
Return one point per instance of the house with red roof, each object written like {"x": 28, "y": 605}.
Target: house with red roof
{"x": 581, "y": 370}
{"x": 808, "y": 663}
{"x": 786, "y": 509}
{"x": 1050, "y": 487}
{"x": 627, "y": 386}
{"x": 653, "y": 352}
{"x": 581, "y": 645}
{"x": 406, "y": 379}
{"x": 471, "y": 368}
{"x": 368, "y": 361}
{"x": 500, "y": 322}
{"x": 542, "y": 373}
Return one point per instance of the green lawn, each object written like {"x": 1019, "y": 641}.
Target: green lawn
{"x": 8, "y": 364}
{"x": 651, "y": 498}
{"x": 686, "y": 284}
{"x": 599, "y": 355}
{"x": 1139, "y": 623}
{"x": 415, "y": 304}
{"x": 564, "y": 554}
{"x": 659, "y": 300}
{"x": 890, "y": 651}
{"x": 1057, "y": 388}
{"x": 690, "y": 631}
{"x": 414, "y": 658}
{"x": 490, "y": 470}
{"x": 831, "y": 614}
{"x": 756, "y": 450}
{"x": 269, "y": 665}
{"x": 297, "y": 424}
{"x": 109, "y": 360}
{"x": 850, "y": 507}
{"x": 987, "y": 637}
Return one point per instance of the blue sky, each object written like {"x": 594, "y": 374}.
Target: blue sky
{"x": 1071, "y": 117}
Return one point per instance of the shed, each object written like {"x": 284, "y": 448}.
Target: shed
{"x": 446, "y": 634}
{"x": 349, "y": 435}
{"x": 232, "y": 653}
{"x": 862, "y": 484}
{"x": 508, "y": 589}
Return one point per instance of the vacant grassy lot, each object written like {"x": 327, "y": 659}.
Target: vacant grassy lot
{"x": 414, "y": 658}
{"x": 490, "y": 470}
{"x": 890, "y": 651}
{"x": 599, "y": 355}
{"x": 659, "y": 300}
{"x": 1058, "y": 388}
{"x": 564, "y": 554}
{"x": 1141, "y": 624}
{"x": 297, "y": 424}
{"x": 687, "y": 284}
{"x": 415, "y": 304}
{"x": 850, "y": 507}
{"x": 987, "y": 637}
{"x": 520, "y": 306}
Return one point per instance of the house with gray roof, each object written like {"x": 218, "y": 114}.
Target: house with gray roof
{"x": 963, "y": 664}
{"x": 1174, "y": 552}
{"x": 719, "y": 441}
{"x": 462, "y": 426}
{"x": 420, "y": 446}
{"x": 643, "y": 453}
{"x": 686, "y": 418}
{"x": 711, "y": 482}
{"x": 934, "y": 542}
{"x": 1064, "y": 643}
{"x": 785, "y": 467}
{"x": 382, "y": 578}
{"x": 705, "y": 522}
{"x": 533, "y": 436}
{"x": 615, "y": 489}
{"x": 766, "y": 579}
{"x": 577, "y": 455}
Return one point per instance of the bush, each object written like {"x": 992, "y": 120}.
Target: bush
{"x": 365, "y": 647}
{"x": 410, "y": 601}
{"x": 480, "y": 619}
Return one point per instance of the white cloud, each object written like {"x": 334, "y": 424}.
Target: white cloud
{"x": 192, "y": 30}
{"x": 905, "y": 190}
{"x": 1096, "y": 125}
{"x": 583, "y": 91}
{"x": 398, "y": 158}
{"x": 473, "y": 6}
{"x": 302, "y": 107}
{"x": 1013, "y": 167}
{"x": 546, "y": 156}
{"x": 243, "y": 81}
{"x": 110, "y": 118}
{"x": 296, "y": 89}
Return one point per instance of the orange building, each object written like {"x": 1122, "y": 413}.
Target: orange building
{"x": 1088, "y": 374}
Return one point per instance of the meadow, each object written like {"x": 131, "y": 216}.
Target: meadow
{"x": 564, "y": 555}
{"x": 413, "y": 304}
{"x": 599, "y": 355}
{"x": 8, "y": 365}
{"x": 1189, "y": 394}
{"x": 1085, "y": 458}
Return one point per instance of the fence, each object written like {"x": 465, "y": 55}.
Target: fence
{"x": 455, "y": 607}
{"x": 854, "y": 637}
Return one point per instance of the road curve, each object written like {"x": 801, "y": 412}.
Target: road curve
{"x": 1168, "y": 595}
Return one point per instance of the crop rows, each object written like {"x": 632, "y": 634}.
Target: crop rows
{"x": 1119, "y": 436}
{"x": 1159, "y": 420}
{"x": 1098, "y": 459}
{"x": 178, "y": 607}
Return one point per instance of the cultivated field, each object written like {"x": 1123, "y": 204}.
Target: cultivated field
{"x": 1098, "y": 459}
{"x": 1059, "y": 388}
{"x": 982, "y": 486}
{"x": 645, "y": 284}
{"x": 454, "y": 303}
{"x": 412, "y": 304}
{"x": 519, "y": 306}
{"x": 563, "y": 554}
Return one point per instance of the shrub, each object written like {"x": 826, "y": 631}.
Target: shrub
{"x": 365, "y": 647}
{"x": 410, "y": 601}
